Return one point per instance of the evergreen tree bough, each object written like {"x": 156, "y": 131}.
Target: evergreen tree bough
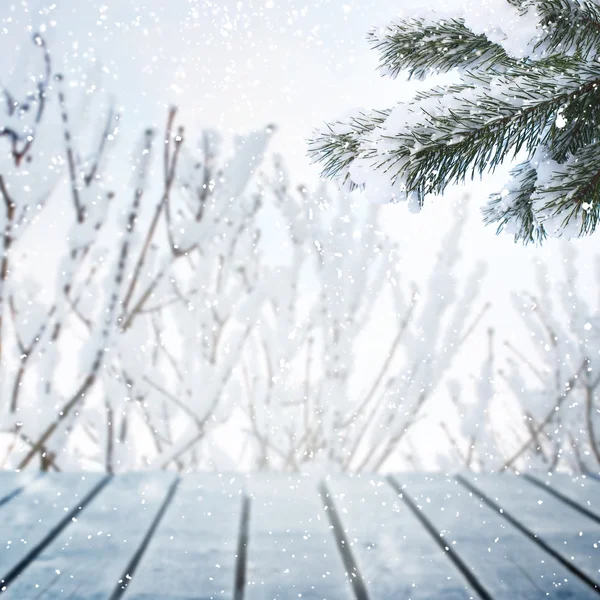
{"x": 528, "y": 91}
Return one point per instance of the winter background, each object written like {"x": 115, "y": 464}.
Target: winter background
{"x": 240, "y": 67}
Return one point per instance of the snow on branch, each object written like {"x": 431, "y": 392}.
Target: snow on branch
{"x": 556, "y": 385}
{"x": 528, "y": 87}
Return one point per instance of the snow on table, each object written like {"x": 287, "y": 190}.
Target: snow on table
{"x": 88, "y": 559}
{"x": 581, "y": 492}
{"x": 291, "y": 552}
{"x": 30, "y": 520}
{"x": 506, "y": 564}
{"x": 193, "y": 552}
{"x": 151, "y": 536}
{"x": 559, "y": 528}
{"x": 395, "y": 554}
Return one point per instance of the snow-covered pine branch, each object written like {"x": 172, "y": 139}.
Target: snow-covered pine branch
{"x": 529, "y": 89}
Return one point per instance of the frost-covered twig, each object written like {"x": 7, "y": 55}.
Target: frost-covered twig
{"x": 106, "y": 329}
{"x": 568, "y": 389}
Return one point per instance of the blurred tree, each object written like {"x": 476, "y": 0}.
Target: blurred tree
{"x": 558, "y": 390}
{"x": 169, "y": 319}
{"x": 82, "y": 373}
{"x": 322, "y": 402}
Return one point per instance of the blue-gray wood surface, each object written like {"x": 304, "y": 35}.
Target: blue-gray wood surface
{"x": 157, "y": 536}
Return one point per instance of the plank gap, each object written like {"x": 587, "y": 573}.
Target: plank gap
{"x": 354, "y": 575}
{"x": 18, "y": 490}
{"x": 242, "y": 550}
{"x": 129, "y": 572}
{"x": 52, "y": 534}
{"x": 441, "y": 541}
{"x": 532, "y": 536}
{"x": 557, "y": 494}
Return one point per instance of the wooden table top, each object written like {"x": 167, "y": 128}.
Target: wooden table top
{"x": 205, "y": 536}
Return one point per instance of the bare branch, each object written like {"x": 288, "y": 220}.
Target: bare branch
{"x": 569, "y": 387}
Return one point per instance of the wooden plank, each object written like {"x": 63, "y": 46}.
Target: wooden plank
{"x": 193, "y": 552}
{"x": 89, "y": 558}
{"x": 31, "y": 519}
{"x": 560, "y": 528}
{"x": 396, "y": 556}
{"x": 292, "y": 552}
{"x": 506, "y": 563}
{"x": 580, "y": 491}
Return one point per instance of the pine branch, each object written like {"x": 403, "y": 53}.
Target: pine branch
{"x": 546, "y": 105}
{"x": 422, "y": 48}
{"x": 340, "y": 143}
{"x": 572, "y": 192}
{"x": 571, "y": 26}
{"x": 484, "y": 131}
{"x": 514, "y": 208}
